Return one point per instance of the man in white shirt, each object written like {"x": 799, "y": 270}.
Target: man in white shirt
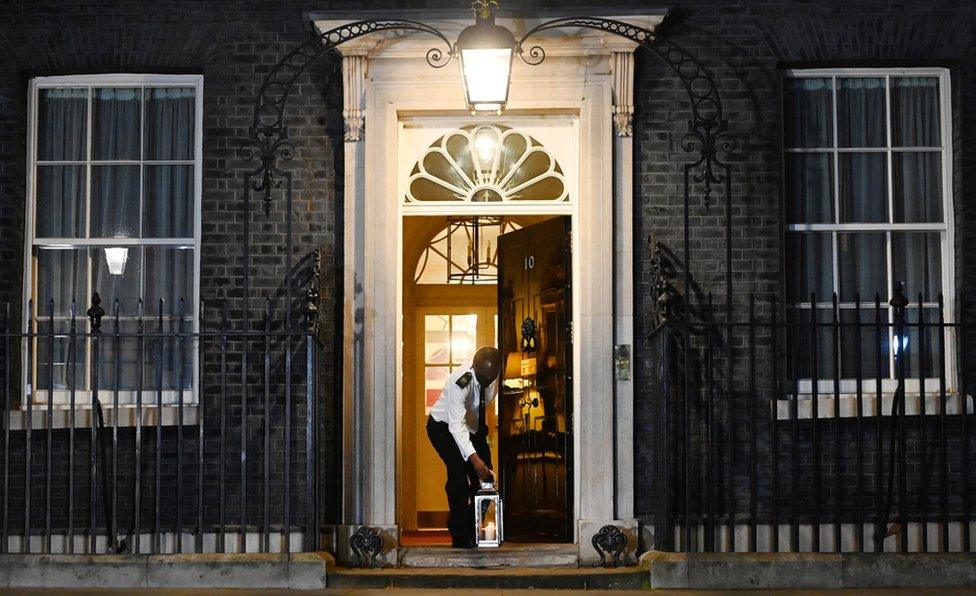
{"x": 458, "y": 431}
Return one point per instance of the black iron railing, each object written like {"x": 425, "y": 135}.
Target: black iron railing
{"x": 832, "y": 427}
{"x": 159, "y": 430}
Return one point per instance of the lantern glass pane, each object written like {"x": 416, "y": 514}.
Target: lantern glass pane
{"x": 488, "y": 528}
{"x": 486, "y": 72}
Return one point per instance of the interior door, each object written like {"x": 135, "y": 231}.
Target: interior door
{"x": 535, "y": 411}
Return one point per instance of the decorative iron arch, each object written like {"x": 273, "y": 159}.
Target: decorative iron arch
{"x": 268, "y": 142}
{"x": 268, "y": 138}
{"x": 707, "y": 133}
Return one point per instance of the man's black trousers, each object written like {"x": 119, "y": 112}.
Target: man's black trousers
{"x": 462, "y": 482}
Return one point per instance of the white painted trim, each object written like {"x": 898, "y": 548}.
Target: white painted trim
{"x": 251, "y": 542}
{"x": 847, "y": 405}
{"x": 71, "y": 242}
{"x": 849, "y": 536}
{"x": 866, "y": 227}
{"x": 570, "y": 208}
{"x": 144, "y": 81}
{"x": 127, "y": 414}
{"x": 567, "y": 86}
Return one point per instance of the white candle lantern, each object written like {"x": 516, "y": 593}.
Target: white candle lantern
{"x": 488, "y": 516}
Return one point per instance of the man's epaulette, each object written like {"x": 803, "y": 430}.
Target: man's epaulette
{"x": 464, "y": 380}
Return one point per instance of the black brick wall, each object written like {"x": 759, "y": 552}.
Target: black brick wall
{"x": 746, "y": 45}
{"x": 233, "y": 44}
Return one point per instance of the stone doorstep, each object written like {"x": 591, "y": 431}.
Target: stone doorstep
{"x": 507, "y": 555}
{"x": 553, "y": 578}
{"x": 809, "y": 570}
{"x": 243, "y": 570}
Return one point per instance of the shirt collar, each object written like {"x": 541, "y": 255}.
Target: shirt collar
{"x": 476, "y": 384}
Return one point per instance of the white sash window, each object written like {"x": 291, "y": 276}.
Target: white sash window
{"x": 114, "y": 208}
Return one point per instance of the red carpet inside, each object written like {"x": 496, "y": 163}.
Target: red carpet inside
{"x": 425, "y": 538}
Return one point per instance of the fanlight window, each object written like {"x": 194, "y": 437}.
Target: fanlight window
{"x": 486, "y": 163}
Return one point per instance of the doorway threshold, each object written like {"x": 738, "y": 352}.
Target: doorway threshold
{"x": 507, "y": 555}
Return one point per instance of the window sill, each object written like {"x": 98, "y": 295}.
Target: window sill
{"x": 60, "y": 416}
{"x": 847, "y": 407}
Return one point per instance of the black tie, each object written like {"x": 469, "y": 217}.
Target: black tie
{"x": 481, "y": 408}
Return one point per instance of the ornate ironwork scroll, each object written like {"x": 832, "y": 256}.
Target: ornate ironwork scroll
{"x": 268, "y": 139}
{"x": 367, "y": 544}
{"x": 311, "y": 309}
{"x": 269, "y": 144}
{"x": 666, "y": 295}
{"x": 707, "y": 130}
{"x": 609, "y": 542}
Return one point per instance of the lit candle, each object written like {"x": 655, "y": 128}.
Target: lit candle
{"x": 490, "y": 531}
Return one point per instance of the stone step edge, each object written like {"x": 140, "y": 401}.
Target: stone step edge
{"x": 554, "y": 578}
{"x": 414, "y": 558}
{"x": 487, "y": 571}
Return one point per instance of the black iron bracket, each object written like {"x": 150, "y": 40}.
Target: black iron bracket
{"x": 609, "y": 543}
{"x": 367, "y": 545}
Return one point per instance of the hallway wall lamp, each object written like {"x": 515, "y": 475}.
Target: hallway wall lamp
{"x": 115, "y": 258}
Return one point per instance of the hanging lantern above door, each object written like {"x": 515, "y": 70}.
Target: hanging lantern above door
{"x": 485, "y": 52}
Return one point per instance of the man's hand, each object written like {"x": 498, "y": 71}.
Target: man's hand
{"x": 480, "y": 468}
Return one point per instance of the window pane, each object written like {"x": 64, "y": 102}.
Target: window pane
{"x": 807, "y": 333}
{"x": 915, "y": 112}
{"x": 434, "y": 379}
{"x": 68, "y": 355}
{"x": 168, "y": 210}
{"x": 464, "y": 337}
{"x": 112, "y": 283}
{"x": 60, "y": 202}
{"x": 917, "y": 263}
{"x": 168, "y": 276}
{"x": 863, "y": 187}
{"x": 164, "y": 355}
{"x": 862, "y": 263}
{"x": 115, "y": 123}
{"x": 809, "y": 266}
{"x": 873, "y": 353}
{"x": 61, "y": 123}
{"x": 128, "y": 359}
{"x": 62, "y": 276}
{"x": 917, "y": 186}
{"x": 169, "y": 123}
{"x": 115, "y": 202}
{"x": 808, "y": 113}
{"x": 861, "y": 114}
{"x": 809, "y": 195}
{"x": 436, "y": 345}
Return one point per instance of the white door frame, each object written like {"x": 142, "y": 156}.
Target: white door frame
{"x": 570, "y": 209}
{"x": 581, "y": 76}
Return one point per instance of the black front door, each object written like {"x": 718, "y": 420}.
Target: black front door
{"x": 535, "y": 431}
